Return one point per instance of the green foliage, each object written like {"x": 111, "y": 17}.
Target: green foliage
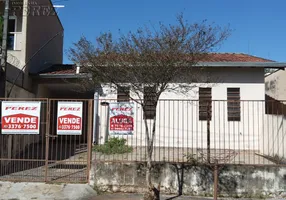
{"x": 193, "y": 158}
{"x": 114, "y": 146}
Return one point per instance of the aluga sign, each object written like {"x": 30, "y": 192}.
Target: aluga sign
{"x": 20, "y": 117}
{"x": 69, "y": 120}
{"x": 121, "y": 118}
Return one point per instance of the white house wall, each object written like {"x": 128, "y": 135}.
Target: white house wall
{"x": 178, "y": 124}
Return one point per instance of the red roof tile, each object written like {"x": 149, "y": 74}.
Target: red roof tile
{"x": 67, "y": 71}
{"x": 233, "y": 57}
{"x": 212, "y": 57}
{"x": 59, "y": 69}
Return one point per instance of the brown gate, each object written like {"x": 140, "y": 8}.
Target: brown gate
{"x": 48, "y": 157}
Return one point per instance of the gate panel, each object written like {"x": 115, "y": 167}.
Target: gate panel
{"x": 22, "y": 156}
{"x": 48, "y": 157}
{"x": 69, "y": 155}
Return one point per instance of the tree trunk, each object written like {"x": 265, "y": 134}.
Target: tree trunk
{"x": 208, "y": 134}
{"x": 153, "y": 193}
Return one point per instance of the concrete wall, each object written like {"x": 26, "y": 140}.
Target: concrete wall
{"x": 40, "y": 29}
{"x": 234, "y": 181}
{"x": 275, "y": 85}
{"x": 18, "y": 92}
{"x": 178, "y": 123}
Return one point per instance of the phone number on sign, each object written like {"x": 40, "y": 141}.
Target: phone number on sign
{"x": 20, "y": 126}
{"x": 69, "y": 127}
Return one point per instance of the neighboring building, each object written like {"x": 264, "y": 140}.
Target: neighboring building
{"x": 275, "y": 90}
{"x": 275, "y": 85}
{"x": 35, "y": 42}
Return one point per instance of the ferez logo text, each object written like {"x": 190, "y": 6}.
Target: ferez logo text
{"x": 121, "y": 109}
{"x": 70, "y": 108}
{"x": 21, "y": 108}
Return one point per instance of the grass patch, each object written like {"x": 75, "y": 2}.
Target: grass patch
{"x": 113, "y": 146}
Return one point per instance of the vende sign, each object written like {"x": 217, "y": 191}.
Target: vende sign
{"x": 69, "y": 120}
{"x": 121, "y": 118}
{"x": 20, "y": 117}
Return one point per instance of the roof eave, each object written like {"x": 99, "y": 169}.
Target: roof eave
{"x": 243, "y": 64}
{"x": 277, "y": 65}
{"x": 66, "y": 76}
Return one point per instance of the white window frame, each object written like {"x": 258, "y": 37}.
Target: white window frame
{"x": 15, "y": 32}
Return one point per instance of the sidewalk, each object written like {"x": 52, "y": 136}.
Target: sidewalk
{"x": 43, "y": 191}
{"x": 119, "y": 196}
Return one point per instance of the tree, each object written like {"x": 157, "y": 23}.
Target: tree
{"x": 150, "y": 62}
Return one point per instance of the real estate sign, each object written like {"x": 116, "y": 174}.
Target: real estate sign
{"x": 20, "y": 117}
{"x": 69, "y": 120}
{"x": 121, "y": 118}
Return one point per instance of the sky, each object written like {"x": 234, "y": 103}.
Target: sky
{"x": 258, "y": 26}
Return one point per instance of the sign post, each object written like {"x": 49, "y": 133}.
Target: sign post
{"x": 69, "y": 120}
{"x": 20, "y": 117}
{"x": 121, "y": 118}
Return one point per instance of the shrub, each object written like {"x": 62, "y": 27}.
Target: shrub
{"x": 114, "y": 146}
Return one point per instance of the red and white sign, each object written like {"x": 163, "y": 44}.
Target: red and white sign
{"x": 69, "y": 121}
{"x": 121, "y": 118}
{"x": 20, "y": 117}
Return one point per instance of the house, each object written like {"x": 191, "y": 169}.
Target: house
{"x": 61, "y": 81}
{"x": 238, "y": 124}
{"x": 275, "y": 90}
{"x": 35, "y": 42}
{"x": 275, "y": 84}
{"x": 239, "y": 118}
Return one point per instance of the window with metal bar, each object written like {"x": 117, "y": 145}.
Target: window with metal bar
{"x": 150, "y": 102}
{"x": 233, "y": 104}
{"x": 205, "y": 103}
{"x": 123, "y": 94}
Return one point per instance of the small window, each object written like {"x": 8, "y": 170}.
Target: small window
{"x": 233, "y": 104}
{"x": 150, "y": 102}
{"x": 123, "y": 94}
{"x": 205, "y": 103}
{"x": 11, "y": 37}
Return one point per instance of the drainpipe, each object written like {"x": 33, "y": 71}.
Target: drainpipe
{"x": 95, "y": 114}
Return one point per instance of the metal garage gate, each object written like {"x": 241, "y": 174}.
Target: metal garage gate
{"x": 47, "y": 156}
